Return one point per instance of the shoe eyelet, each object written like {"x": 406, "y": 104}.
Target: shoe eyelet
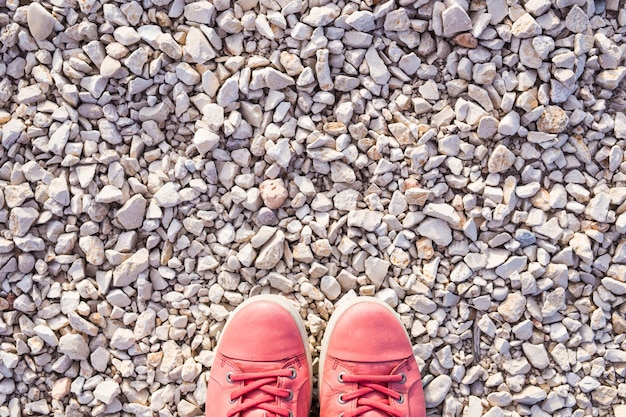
{"x": 340, "y": 376}
{"x": 231, "y": 401}
{"x": 401, "y": 399}
{"x": 294, "y": 373}
{"x": 403, "y": 378}
{"x": 290, "y": 397}
{"x": 340, "y": 399}
{"x": 230, "y": 381}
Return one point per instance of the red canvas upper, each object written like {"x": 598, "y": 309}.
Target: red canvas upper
{"x": 261, "y": 365}
{"x": 368, "y": 366}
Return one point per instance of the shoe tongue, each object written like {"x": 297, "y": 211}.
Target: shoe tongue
{"x": 369, "y": 368}
{"x": 382, "y": 368}
{"x": 256, "y": 413}
{"x": 252, "y": 366}
{"x": 375, "y": 413}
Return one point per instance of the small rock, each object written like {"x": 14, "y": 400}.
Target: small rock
{"x": 536, "y": 355}
{"x": 526, "y": 27}
{"x": 122, "y": 339}
{"x": 552, "y": 120}
{"x": 271, "y": 252}
{"x": 273, "y": 193}
{"x": 500, "y": 160}
{"x": 127, "y": 273}
{"x": 576, "y": 20}
{"x": 107, "y": 391}
{"x": 397, "y": 21}
{"x": 530, "y": 395}
{"x": 330, "y": 287}
{"x": 513, "y": 307}
{"x": 378, "y": 69}
{"x": 455, "y": 20}
{"x": 40, "y": 21}
{"x": 167, "y": 196}
{"x": 131, "y": 214}
{"x": 229, "y": 92}
{"x": 435, "y": 392}
{"x": 436, "y": 230}
{"x": 74, "y": 346}
{"x": 12, "y": 130}
{"x": 376, "y": 270}
{"x": 362, "y": 21}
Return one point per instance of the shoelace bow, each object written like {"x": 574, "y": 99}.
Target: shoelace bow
{"x": 261, "y": 381}
{"x": 368, "y": 384}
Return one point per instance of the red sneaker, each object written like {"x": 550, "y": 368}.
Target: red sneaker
{"x": 262, "y": 366}
{"x": 367, "y": 367}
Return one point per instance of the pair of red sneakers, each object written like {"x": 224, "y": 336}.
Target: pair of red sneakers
{"x": 263, "y": 365}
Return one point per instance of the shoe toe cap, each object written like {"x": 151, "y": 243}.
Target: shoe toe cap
{"x": 369, "y": 332}
{"x": 261, "y": 331}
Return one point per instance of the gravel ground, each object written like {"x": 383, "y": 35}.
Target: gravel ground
{"x": 161, "y": 161}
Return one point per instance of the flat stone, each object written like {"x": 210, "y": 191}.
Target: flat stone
{"x": 588, "y": 384}
{"x": 167, "y": 196}
{"x": 616, "y": 287}
{"x": 229, "y": 92}
{"x": 444, "y": 212}
{"x": 205, "y": 141}
{"x": 109, "y": 194}
{"x": 436, "y": 230}
{"x": 74, "y": 346}
{"x": 280, "y": 282}
{"x": 610, "y": 79}
{"x": 127, "y": 272}
{"x": 144, "y": 325}
{"x": 107, "y": 391}
{"x": 397, "y": 21}
{"x": 21, "y": 220}
{"x": 455, "y": 20}
{"x": 376, "y": 270}
{"x": 377, "y": 67}
{"x": 322, "y": 16}
{"x": 122, "y": 339}
{"x": 525, "y": 27}
{"x": 109, "y": 66}
{"x": 362, "y": 21}
{"x": 200, "y": 12}
{"x": 530, "y": 395}
{"x": 500, "y": 160}
{"x": 366, "y": 219}
{"x": 513, "y": 307}
{"x": 11, "y": 132}
{"x": 581, "y": 244}
{"x": 131, "y": 214}
{"x": 271, "y": 252}
{"x": 437, "y": 390}
{"x": 514, "y": 264}
{"x": 276, "y": 80}
{"x": 576, "y": 20}
{"x": 198, "y": 47}
{"x": 498, "y": 9}
{"x": 93, "y": 247}
{"x": 40, "y": 21}
{"x": 598, "y": 207}
{"x": 537, "y": 355}
{"x": 553, "y": 120}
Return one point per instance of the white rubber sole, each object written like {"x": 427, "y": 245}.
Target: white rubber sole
{"x": 333, "y": 322}
{"x": 281, "y": 301}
